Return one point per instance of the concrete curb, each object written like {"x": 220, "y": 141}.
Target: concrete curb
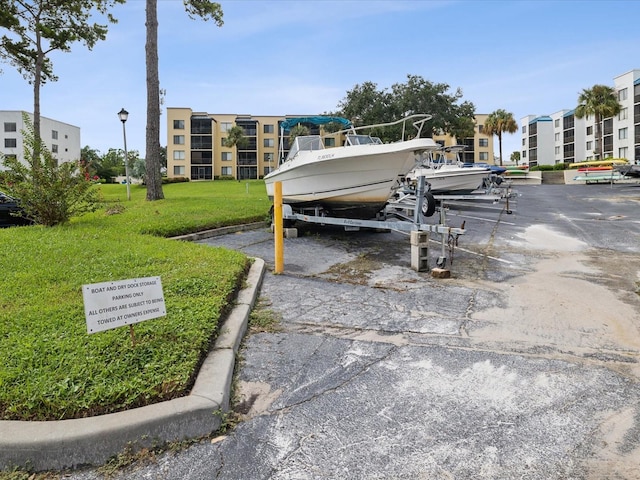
{"x": 57, "y": 445}
{"x": 216, "y": 232}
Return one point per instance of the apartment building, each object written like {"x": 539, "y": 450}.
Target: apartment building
{"x": 563, "y": 138}
{"x": 61, "y": 139}
{"x": 196, "y": 144}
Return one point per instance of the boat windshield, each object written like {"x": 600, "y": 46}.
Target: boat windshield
{"x": 362, "y": 140}
{"x": 305, "y": 142}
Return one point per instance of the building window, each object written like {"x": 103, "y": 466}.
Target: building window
{"x": 10, "y": 126}
{"x": 623, "y": 152}
{"x": 484, "y": 156}
{"x": 178, "y": 170}
{"x": 10, "y": 143}
{"x": 524, "y": 141}
{"x": 178, "y": 139}
{"x": 201, "y": 125}
{"x": 54, "y": 134}
{"x": 624, "y": 113}
{"x": 226, "y": 171}
{"x": 201, "y": 142}
{"x": 226, "y": 156}
{"x": 589, "y": 130}
{"x": 178, "y": 155}
{"x": 268, "y": 129}
{"x": 178, "y": 124}
{"x": 480, "y": 128}
{"x": 524, "y": 129}
{"x": 483, "y": 142}
{"x": 268, "y": 157}
{"x": 622, "y": 94}
{"x": 524, "y": 154}
{"x": 225, "y": 126}
{"x": 557, "y": 136}
{"x": 589, "y": 145}
{"x": 54, "y": 148}
{"x": 622, "y": 133}
{"x": 269, "y": 142}
{"x": 199, "y": 157}
{"x": 267, "y": 170}
{"x": 557, "y": 150}
{"x": 557, "y": 123}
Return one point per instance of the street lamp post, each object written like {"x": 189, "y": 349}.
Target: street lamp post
{"x": 123, "y": 115}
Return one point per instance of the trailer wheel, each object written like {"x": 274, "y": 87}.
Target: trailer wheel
{"x": 286, "y": 223}
{"x": 428, "y": 205}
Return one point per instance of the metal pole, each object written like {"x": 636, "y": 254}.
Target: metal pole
{"x": 278, "y": 227}
{"x": 126, "y": 161}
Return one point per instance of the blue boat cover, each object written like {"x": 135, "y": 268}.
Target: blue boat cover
{"x": 319, "y": 120}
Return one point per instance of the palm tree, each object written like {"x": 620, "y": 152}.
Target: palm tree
{"x": 599, "y": 101}
{"x": 297, "y": 131}
{"x": 236, "y": 138}
{"x": 500, "y": 122}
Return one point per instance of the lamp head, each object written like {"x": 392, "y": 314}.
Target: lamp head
{"x": 123, "y": 115}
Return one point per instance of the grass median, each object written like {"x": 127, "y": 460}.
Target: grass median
{"x": 51, "y": 368}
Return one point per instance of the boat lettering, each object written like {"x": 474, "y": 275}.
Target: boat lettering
{"x": 326, "y": 156}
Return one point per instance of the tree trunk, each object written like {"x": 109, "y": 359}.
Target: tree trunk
{"x": 37, "y": 81}
{"x": 152, "y": 159}
{"x": 500, "y": 146}
{"x": 598, "y": 127}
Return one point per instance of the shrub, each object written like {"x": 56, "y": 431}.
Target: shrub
{"x": 542, "y": 168}
{"x": 174, "y": 180}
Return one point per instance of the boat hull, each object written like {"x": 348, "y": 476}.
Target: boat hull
{"x": 349, "y": 182}
{"x": 629, "y": 170}
{"x": 453, "y": 180}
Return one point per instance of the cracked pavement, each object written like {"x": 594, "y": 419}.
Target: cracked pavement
{"x": 523, "y": 365}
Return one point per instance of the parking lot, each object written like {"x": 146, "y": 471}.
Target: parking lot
{"x": 522, "y": 365}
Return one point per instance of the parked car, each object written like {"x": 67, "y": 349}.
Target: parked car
{"x": 11, "y": 212}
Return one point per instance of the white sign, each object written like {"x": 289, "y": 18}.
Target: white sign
{"x": 114, "y": 304}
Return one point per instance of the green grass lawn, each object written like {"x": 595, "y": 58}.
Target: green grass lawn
{"x": 51, "y": 368}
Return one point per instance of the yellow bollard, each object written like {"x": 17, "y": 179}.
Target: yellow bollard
{"x": 278, "y": 227}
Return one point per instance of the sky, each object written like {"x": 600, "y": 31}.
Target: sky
{"x": 286, "y": 57}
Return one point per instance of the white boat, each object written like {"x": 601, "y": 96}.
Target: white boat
{"x": 450, "y": 176}
{"x": 351, "y": 181}
{"x": 632, "y": 170}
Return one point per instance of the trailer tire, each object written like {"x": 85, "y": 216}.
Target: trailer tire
{"x": 286, "y": 223}
{"x": 428, "y": 205}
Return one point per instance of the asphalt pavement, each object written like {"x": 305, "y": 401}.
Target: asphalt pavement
{"x": 522, "y": 365}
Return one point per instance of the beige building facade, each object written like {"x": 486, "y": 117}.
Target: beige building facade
{"x": 196, "y": 144}
{"x": 479, "y": 147}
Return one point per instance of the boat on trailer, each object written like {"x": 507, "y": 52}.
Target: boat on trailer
{"x": 632, "y": 170}
{"x": 447, "y": 174}
{"x": 355, "y": 180}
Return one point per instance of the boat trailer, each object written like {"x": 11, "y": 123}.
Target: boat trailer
{"x": 490, "y": 194}
{"x": 400, "y": 222}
